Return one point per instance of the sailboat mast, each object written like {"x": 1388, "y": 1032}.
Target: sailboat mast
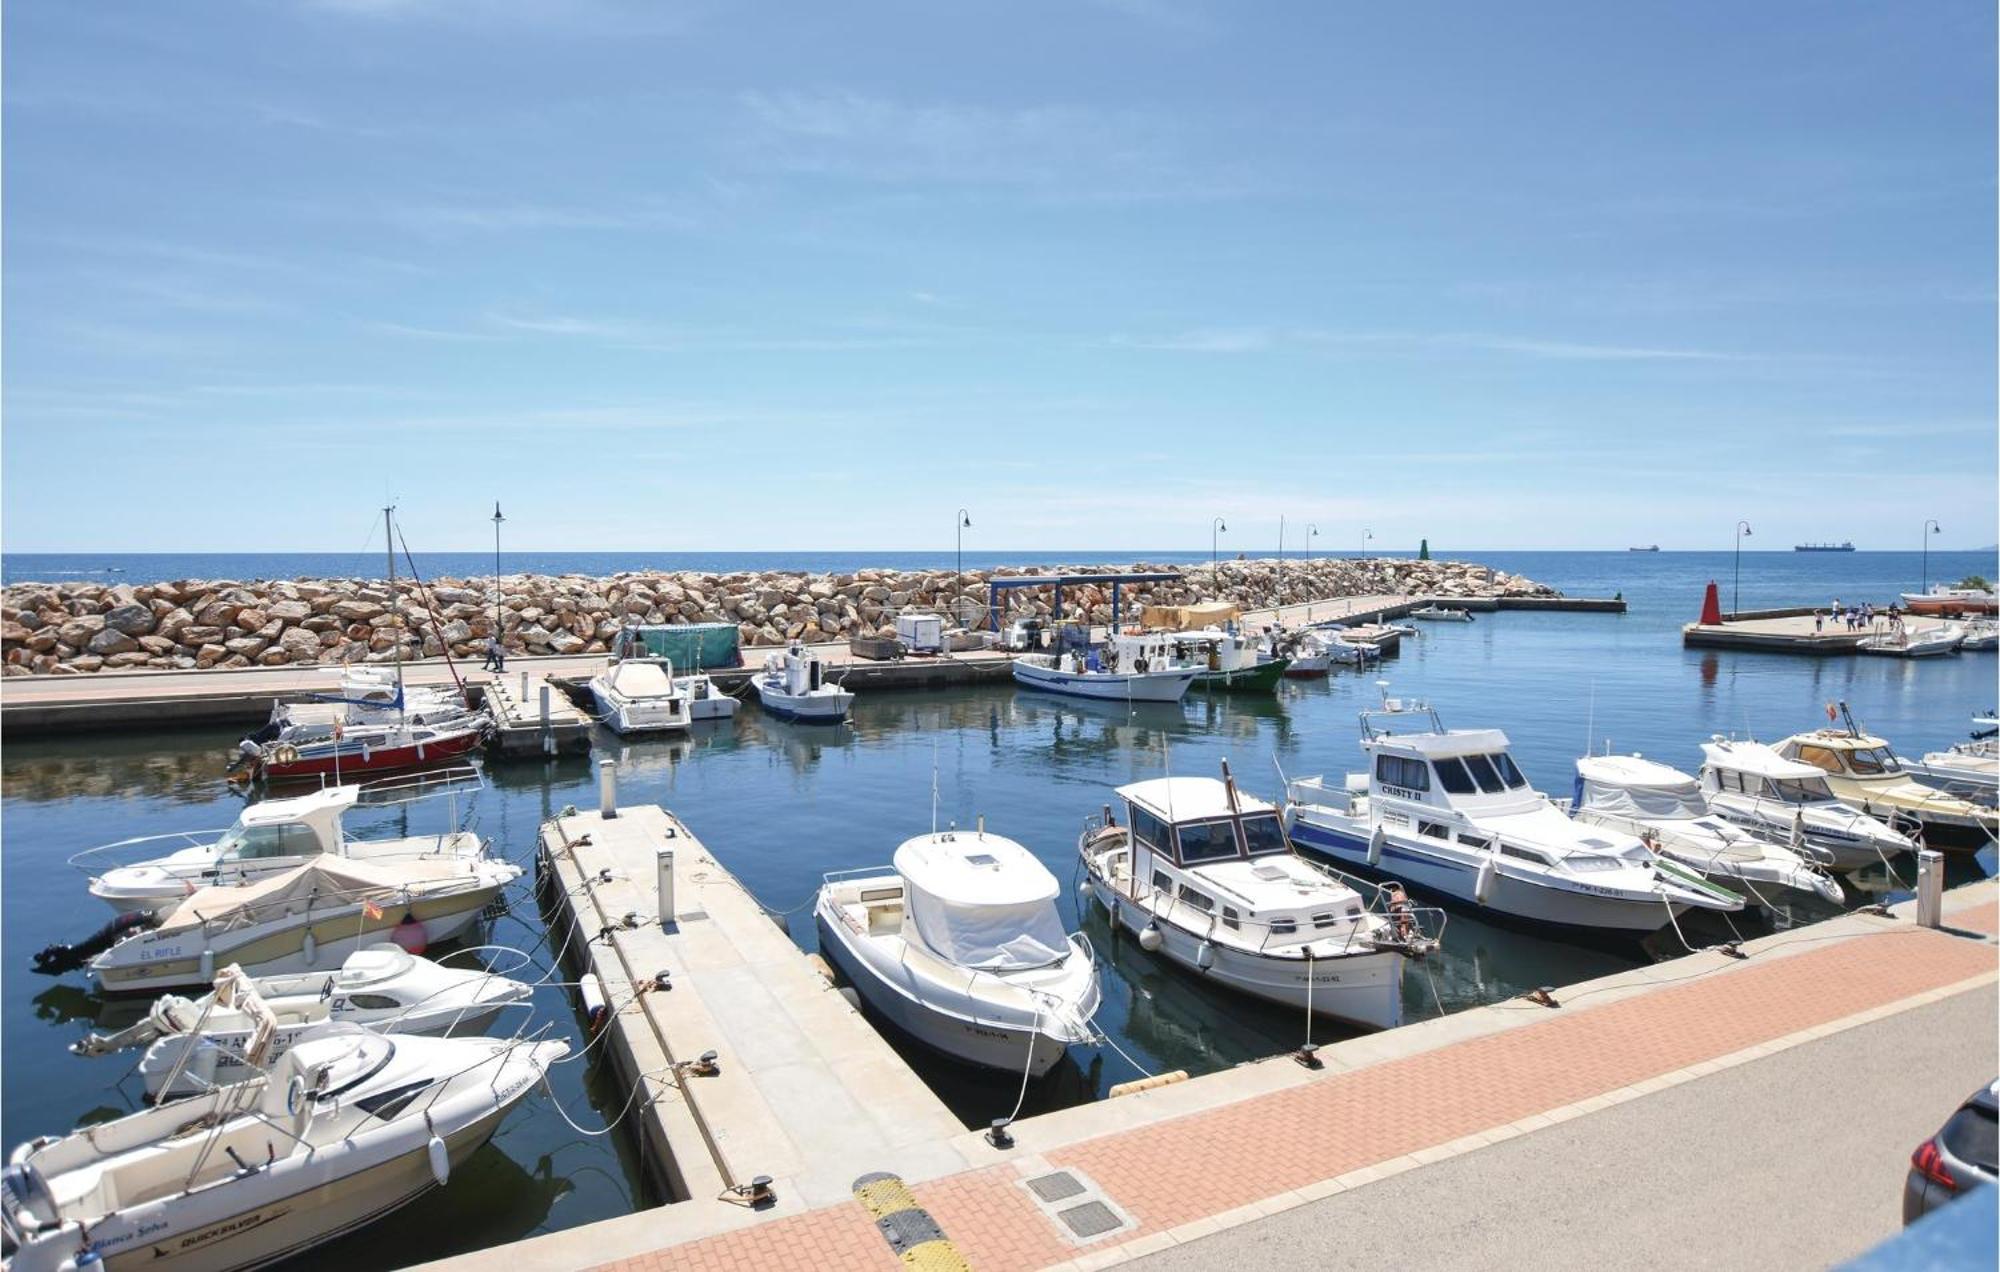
{"x": 395, "y": 610}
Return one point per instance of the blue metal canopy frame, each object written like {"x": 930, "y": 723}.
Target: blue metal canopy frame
{"x": 995, "y": 588}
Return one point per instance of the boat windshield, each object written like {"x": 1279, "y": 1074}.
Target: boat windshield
{"x": 1873, "y": 762}
{"x": 1206, "y": 841}
{"x": 1263, "y": 834}
{"x": 251, "y": 843}
{"x": 1800, "y": 790}
{"x": 1485, "y": 774}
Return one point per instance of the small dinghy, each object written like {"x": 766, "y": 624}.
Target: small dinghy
{"x": 348, "y": 1126}
{"x": 640, "y": 695}
{"x": 1441, "y": 614}
{"x": 960, "y": 945}
{"x": 195, "y": 1044}
{"x": 793, "y": 686}
{"x": 1666, "y": 809}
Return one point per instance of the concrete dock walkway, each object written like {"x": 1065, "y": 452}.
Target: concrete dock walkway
{"x": 1182, "y": 1163}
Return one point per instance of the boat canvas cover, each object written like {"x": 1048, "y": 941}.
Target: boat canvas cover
{"x": 640, "y": 680}
{"x": 691, "y": 646}
{"x": 332, "y": 880}
{"x": 982, "y": 901}
{"x": 1188, "y": 618}
{"x": 1755, "y": 757}
{"x": 1627, "y": 786}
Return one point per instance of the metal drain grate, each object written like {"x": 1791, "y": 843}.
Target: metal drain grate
{"x": 1091, "y": 1219}
{"x": 1057, "y": 1186}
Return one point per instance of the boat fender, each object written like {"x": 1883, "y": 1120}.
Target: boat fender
{"x": 440, "y": 1156}
{"x": 1375, "y": 846}
{"x": 1482, "y": 887}
{"x": 285, "y": 753}
{"x": 295, "y": 1094}
{"x": 1083, "y": 889}
{"x": 311, "y": 948}
{"x": 208, "y": 965}
{"x": 1204, "y": 955}
{"x": 1149, "y": 937}
{"x": 596, "y": 1006}
{"x": 409, "y": 933}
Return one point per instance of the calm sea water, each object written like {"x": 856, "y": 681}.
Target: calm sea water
{"x": 783, "y": 803}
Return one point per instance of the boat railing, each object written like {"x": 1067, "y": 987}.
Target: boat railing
{"x": 143, "y": 847}
{"x": 834, "y": 876}
{"x": 407, "y": 788}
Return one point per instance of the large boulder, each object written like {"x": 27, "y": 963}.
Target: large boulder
{"x": 289, "y": 611}
{"x": 134, "y": 619}
{"x": 111, "y": 641}
{"x": 299, "y": 645}
{"x": 357, "y": 611}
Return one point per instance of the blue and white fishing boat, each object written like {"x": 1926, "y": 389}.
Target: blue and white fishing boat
{"x": 1128, "y": 667}
{"x": 793, "y": 686}
{"x": 1448, "y": 811}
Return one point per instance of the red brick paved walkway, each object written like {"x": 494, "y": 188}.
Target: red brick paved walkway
{"x": 1204, "y": 1164}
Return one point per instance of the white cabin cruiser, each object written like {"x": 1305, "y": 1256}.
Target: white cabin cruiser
{"x": 1863, "y": 772}
{"x": 271, "y": 837}
{"x": 1449, "y": 811}
{"x": 640, "y": 695}
{"x": 793, "y": 686}
{"x": 1969, "y": 769}
{"x": 348, "y": 1126}
{"x": 1982, "y": 635}
{"x": 310, "y": 917}
{"x": 960, "y": 945}
{"x": 1128, "y": 667}
{"x": 194, "y": 1044}
{"x": 1752, "y": 785}
{"x": 1666, "y": 808}
{"x": 1206, "y": 878}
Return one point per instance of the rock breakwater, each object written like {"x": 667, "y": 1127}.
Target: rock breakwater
{"x": 77, "y": 628}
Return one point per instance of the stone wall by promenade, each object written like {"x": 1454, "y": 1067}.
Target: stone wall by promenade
{"x": 70, "y": 628}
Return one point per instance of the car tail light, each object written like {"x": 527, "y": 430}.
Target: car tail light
{"x": 1930, "y": 1164}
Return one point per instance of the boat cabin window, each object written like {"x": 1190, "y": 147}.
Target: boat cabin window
{"x": 1198, "y": 900}
{"x": 1485, "y": 774}
{"x": 1162, "y": 884}
{"x": 1481, "y": 842}
{"x": 374, "y": 1002}
{"x": 1149, "y": 829}
{"x": 1324, "y": 920}
{"x": 1397, "y": 770}
{"x": 1434, "y": 829}
{"x": 882, "y": 894}
{"x": 1525, "y": 854}
{"x": 1262, "y": 833}
{"x": 251, "y": 843}
{"x": 1873, "y": 762}
{"x": 1206, "y": 841}
{"x": 1230, "y": 918}
{"x": 1509, "y": 772}
{"x": 1452, "y": 775}
{"x": 1799, "y": 790}
{"x": 1591, "y": 861}
{"x": 1820, "y": 757}
{"x": 1732, "y": 781}
{"x": 1284, "y": 927}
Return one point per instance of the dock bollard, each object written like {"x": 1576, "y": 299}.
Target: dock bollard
{"x": 548, "y": 737}
{"x": 663, "y": 864}
{"x": 524, "y": 686}
{"x": 1930, "y": 888}
{"x": 607, "y": 789}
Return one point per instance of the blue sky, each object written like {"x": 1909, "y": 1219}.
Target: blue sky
{"x": 715, "y": 276}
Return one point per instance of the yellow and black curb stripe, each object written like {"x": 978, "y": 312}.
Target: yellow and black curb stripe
{"x": 907, "y": 1226}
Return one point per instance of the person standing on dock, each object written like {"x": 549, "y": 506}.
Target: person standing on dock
{"x": 496, "y": 654}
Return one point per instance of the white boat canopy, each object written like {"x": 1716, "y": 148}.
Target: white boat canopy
{"x": 981, "y": 900}
{"x": 332, "y": 881}
{"x": 1755, "y": 757}
{"x": 636, "y": 679}
{"x": 1628, "y": 786}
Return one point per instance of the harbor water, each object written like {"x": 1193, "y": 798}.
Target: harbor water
{"x": 780, "y": 804}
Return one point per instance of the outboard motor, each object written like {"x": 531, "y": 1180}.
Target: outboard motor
{"x": 65, "y": 957}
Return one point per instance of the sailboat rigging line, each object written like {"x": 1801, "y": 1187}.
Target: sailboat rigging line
{"x": 430, "y": 609}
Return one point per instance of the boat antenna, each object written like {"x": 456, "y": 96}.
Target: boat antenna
{"x": 1590, "y": 719}
{"x": 395, "y": 610}
{"x": 934, "y": 786}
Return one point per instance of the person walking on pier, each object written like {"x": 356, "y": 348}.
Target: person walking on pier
{"x": 496, "y": 654}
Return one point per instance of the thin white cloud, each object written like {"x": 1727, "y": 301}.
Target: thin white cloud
{"x": 1235, "y": 340}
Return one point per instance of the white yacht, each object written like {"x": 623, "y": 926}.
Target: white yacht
{"x": 274, "y": 836}
{"x": 1128, "y": 667}
{"x": 1666, "y": 808}
{"x": 1863, "y": 772}
{"x": 312, "y": 916}
{"x": 1751, "y": 785}
{"x": 960, "y": 945}
{"x": 1205, "y": 877}
{"x": 193, "y": 1044}
{"x": 348, "y": 1126}
{"x": 1449, "y": 811}
{"x": 640, "y": 695}
{"x": 793, "y": 686}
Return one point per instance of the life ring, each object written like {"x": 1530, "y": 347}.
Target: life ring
{"x": 295, "y": 1094}
{"x": 1139, "y": 665}
{"x": 284, "y": 753}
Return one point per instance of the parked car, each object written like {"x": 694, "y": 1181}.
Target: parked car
{"x": 1960, "y": 1157}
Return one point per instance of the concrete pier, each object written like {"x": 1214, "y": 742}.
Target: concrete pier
{"x": 803, "y": 1091}
{"x": 533, "y": 715}
{"x": 1788, "y": 632}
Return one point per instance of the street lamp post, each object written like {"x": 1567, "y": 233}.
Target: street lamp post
{"x": 1736, "y": 587}
{"x": 1930, "y": 528}
{"x": 497, "y": 519}
{"x": 1312, "y": 532}
{"x": 1281, "y": 557}
{"x": 958, "y": 584}
{"x": 1366, "y": 536}
{"x": 1215, "y": 550}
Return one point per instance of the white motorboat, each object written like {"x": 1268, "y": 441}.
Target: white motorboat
{"x": 1229, "y": 660}
{"x": 793, "y": 686}
{"x": 1913, "y": 640}
{"x": 1319, "y": 648}
{"x": 1442, "y": 614}
{"x": 1666, "y": 808}
{"x": 961, "y": 947}
{"x": 640, "y": 695}
{"x": 348, "y": 1126}
{"x": 1982, "y": 636}
{"x": 310, "y": 917}
{"x": 193, "y": 1044}
{"x": 1128, "y": 667}
{"x": 1450, "y": 812}
{"x": 1751, "y": 785}
{"x": 1864, "y": 773}
{"x": 1205, "y": 877}
{"x": 706, "y": 701}
{"x": 274, "y": 836}
{"x": 1968, "y": 769}
{"x": 1308, "y": 650}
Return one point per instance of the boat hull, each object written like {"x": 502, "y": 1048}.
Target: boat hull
{"x": 624, "y": 716}
{"x": 805, "y": 708}
{"x": 1263, "y": 678}
{"x": 1150, "y": 686}
{"x": 349, "y": 756}
{"x": 1306, "y": 666}
{"x": 1458, "y": 880}
{"x": 990, "y": 1045}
